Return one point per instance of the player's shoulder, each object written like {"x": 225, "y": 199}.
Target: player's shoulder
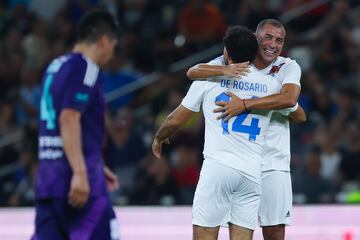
{"x": 220, "y": 60}
{"x": 56, "y": 64}
{"x": 286, "y": 62}
{"x": 257, "y": 76}
{"x": 79, "y": 60}
{"x": 204, "y": 83}
{"x": 84, "y": 66}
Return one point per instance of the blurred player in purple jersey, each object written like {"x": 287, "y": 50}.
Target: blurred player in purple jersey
{"x": 72, "y": 182}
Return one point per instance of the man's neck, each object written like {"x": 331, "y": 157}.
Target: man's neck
{"x": 261, "y": 64}
{"x": 87, "y": 50}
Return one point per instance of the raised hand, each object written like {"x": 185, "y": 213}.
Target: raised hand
{"x": 237, "y": 69}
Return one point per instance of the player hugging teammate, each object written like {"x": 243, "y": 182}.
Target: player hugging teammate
{"x": 246, "y": 169}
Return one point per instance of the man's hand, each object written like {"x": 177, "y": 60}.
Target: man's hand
{"x": 237, "y": 69}
{"x": 157, "y": 147}
{"x": 112, "y": 180}
{"x": 79, "y": 190}
{"x": 232, "y": 108}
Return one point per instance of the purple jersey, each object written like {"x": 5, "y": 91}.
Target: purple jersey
{"x": 70, "y": 81}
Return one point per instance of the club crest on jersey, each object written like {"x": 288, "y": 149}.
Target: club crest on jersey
{"x": 275, "y": 69}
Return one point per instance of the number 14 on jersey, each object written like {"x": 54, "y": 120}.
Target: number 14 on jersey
{"x": 238, "y": 125}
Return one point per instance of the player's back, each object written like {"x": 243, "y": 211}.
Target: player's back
{"x": 70, "y": 82}
{"x": 239, "y": 142}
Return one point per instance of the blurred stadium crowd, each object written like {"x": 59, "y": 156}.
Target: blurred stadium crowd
{"x": 153, "y": 34}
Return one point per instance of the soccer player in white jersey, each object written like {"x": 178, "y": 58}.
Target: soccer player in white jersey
{"x": 276, "y": 199}
{"x": 229, "y": 186}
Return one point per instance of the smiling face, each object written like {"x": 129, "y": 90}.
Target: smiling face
{"x": 271, "y": 42}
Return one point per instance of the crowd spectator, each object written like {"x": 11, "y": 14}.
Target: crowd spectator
{"x": 201, "y": 23}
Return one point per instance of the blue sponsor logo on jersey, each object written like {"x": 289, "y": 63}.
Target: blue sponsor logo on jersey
{"x": 81, "y": 97}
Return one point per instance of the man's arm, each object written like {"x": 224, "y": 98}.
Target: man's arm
{"x": 203, "y": 70}
{"x": 298, "y": 116}
{"x": 70, "y": 129}
{"x": 169, "y": 127}
{"x": 285, "y": 99}
{"x": 112, "y": 181}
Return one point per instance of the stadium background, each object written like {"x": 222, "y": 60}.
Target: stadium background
{"x": 146, "y": 80}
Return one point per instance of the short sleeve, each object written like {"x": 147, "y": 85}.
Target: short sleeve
{"x": 81, "y": 81}
{"x": 217, "y": 61}
{"x": 292, "y": 73}
{"x": 195, "y": 96}
{"x": 287, "y": 111}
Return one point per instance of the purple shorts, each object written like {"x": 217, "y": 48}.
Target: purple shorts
{"x": 57, "y": 220}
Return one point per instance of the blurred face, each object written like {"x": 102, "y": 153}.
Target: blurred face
{"x": 271, "y": 42}
{"x": 226, "y": 56}
{"x": 107, "y": 46}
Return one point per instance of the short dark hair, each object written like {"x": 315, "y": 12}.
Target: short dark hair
{"x": 94, "y": 24}
{"x": 240, "y": 44}
{"x": 273, "y": 22}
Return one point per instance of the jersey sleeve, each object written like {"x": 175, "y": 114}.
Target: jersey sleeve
{"x": 287, "y": 111}
{"x": 217, "y": 61}
{"x": 80, "y": 85}
{"x": 194, "y": 96}
{"x": 292, "y": 73}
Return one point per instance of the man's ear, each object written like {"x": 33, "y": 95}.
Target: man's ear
{"x": 257, "y": 35}
{"x": 102, "y": 40}
{"x": 227, "y": 57}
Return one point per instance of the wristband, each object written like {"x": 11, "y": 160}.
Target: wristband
{"x": 244, "y": 105}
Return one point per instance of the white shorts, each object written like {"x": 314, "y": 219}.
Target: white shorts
{"x": 276, "y": 198}
{"x": 224, "y": 195}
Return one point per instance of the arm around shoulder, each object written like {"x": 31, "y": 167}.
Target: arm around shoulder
{"x": 287, "y": 98}
{"x": 202, "y": 71}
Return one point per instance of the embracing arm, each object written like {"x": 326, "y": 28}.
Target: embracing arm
{"x": 286, "y": 98}
{"x": 203, "y": 70}
{"x": 289, "y": 93}
{"x": 169, "y": 127}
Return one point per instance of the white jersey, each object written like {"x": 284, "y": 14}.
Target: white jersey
{"x": 277, "y": 142}
{"x": 238, "y": 143}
